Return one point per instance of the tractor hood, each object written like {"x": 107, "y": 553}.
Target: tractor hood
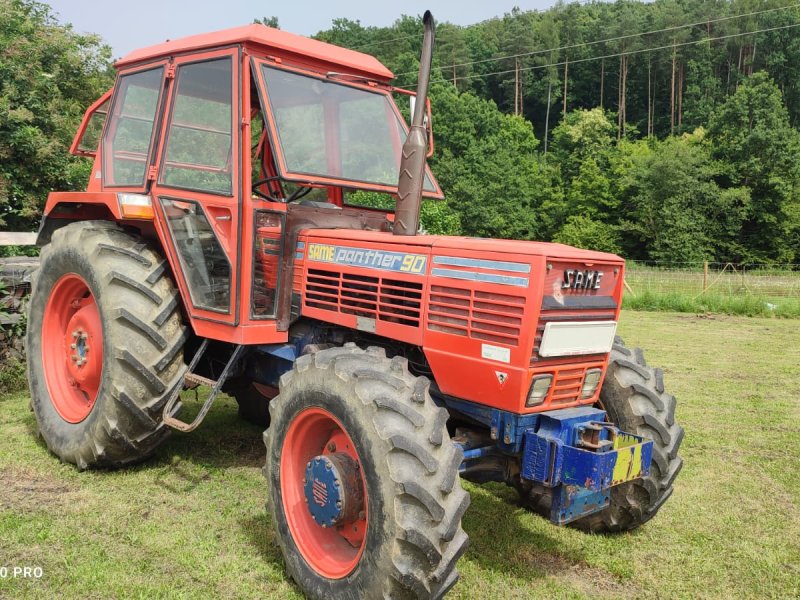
{"x": 454, "y": 244}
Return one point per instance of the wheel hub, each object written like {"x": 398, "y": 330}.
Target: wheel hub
{"x": 333, "y": 489}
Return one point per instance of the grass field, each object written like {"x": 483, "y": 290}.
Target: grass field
{"x": 191, "y": 522}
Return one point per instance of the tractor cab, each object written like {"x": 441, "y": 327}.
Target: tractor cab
{"x": 228, "y": 135}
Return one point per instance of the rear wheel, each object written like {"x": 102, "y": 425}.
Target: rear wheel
{"x": 633, "y": 395}
{"x": 105, "y": 345}
{"x": 253, "y": 400}
{"x": 364, "y": 489}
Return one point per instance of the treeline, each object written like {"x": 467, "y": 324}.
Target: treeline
{"x": 664, "y": 131}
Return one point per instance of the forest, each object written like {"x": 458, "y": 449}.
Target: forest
{"x": 664, "y": 131}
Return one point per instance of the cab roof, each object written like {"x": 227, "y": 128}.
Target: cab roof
{"x": 270, "y": 40}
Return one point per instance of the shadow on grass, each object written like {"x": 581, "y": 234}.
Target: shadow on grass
{"x": 261, "y": 535}
{"x": 502, "y": 539}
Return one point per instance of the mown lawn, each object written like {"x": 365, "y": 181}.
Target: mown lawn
{"x": 191, "y": 522}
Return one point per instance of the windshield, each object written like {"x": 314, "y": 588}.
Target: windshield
{"x": 336, "y": 131}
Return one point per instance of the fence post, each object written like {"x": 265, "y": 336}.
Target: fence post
{"x": 705, "y": 275}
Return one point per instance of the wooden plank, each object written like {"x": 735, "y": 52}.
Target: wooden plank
{"x": 17, "y": 238}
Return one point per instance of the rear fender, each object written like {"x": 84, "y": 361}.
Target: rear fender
{"x": 63, "y": 208}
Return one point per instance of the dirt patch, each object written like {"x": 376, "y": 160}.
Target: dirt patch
{"x": 592, "y": 581}
{"x": 26, "y": 490}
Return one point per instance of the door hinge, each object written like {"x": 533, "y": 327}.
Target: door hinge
{"x": 170, "y": 73}
{"x": 152, "y": 173}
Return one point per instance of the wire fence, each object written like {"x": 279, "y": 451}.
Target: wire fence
{"x": 721, "y": 279}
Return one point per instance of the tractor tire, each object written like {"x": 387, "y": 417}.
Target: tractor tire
{"x": 410, "y": 537}
{"x": 633, "y": 396}
{"x": 105, "y": 345}
{"x": 253, "y": 401}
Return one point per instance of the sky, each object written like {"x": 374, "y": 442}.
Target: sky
{"x": 129, "y": 24}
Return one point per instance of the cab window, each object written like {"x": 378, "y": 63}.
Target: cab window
{"x": 198, "y": 148}
{"x": 129, "y": 137}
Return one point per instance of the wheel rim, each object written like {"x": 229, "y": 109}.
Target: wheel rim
{"x": 316, "y": 437}
{"x": 72, "y": 348}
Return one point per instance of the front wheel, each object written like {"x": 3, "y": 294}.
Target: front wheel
{"x": 363, "y": 479}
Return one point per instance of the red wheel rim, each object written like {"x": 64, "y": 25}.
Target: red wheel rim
{"x": 331, "y": 552}
{"x": 72, "y": 348}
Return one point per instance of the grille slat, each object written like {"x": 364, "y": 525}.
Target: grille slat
{"x": 476, "y": 314}
{"x": 379, "y": 298}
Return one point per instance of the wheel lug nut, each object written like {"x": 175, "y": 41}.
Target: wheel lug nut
{"x": 73, "y": 346}
{"x": 75, "y": 334}
{"x": 328, "y": 466}
{"x": 361, "y": 515}
{"x": 336, "y": 483}
{"x": 338, "y": 504}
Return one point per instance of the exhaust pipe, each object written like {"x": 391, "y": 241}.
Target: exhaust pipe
{"x": 415, "y": 149}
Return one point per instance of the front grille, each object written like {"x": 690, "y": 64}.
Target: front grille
{"x": 479, "y": 315}
{"x": 379, "y": 298}
{"x": 567, "y": 385}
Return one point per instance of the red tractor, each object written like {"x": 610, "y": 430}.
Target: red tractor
{"x": 217, "y": 244}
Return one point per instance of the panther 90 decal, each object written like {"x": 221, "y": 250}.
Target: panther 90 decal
{"x": 399, "y": 262}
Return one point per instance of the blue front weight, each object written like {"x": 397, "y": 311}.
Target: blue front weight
{"x": 581, "y": 456}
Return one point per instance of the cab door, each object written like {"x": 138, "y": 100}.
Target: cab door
{"x": 196, "y": 183}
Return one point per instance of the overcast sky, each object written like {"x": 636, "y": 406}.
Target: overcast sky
{"x": 129, "y": 24}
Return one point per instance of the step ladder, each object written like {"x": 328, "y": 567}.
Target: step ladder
{"x": 191, "y": 377}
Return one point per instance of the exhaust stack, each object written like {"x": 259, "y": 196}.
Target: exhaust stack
{"x": 415, "y": 149}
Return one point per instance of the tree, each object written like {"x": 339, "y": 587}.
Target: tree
{"x": 583, "y": 232}
{"x": 488, "y": 166}
{"x": 674, "y": 209}
{"x": 580, "y": 135}
{"x": 268, "y": 21}
{"x": 751, "y": 136}
{"x": 48, "y": 76}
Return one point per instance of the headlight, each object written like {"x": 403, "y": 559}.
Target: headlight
{"x": 590, "y": 382}
{"x": 539, "y": 388}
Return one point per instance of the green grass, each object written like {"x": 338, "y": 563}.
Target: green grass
{"x": 685, "y": 302}
{"x": 191, "y": 524}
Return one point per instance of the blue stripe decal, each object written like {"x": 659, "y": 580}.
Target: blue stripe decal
{"x": 485, "y": 277}
{"x": 301, "y": 245}
{"x": 497, "y": 265}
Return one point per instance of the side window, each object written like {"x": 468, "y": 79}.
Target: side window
{"x": 199, "y": 141}
{"x": 130, "y": 133}
{"x": 94, "y": 129}
{"x": 205, "y": 266}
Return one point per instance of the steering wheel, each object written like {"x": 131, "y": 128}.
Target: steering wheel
{"x": 259, "y": 182}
